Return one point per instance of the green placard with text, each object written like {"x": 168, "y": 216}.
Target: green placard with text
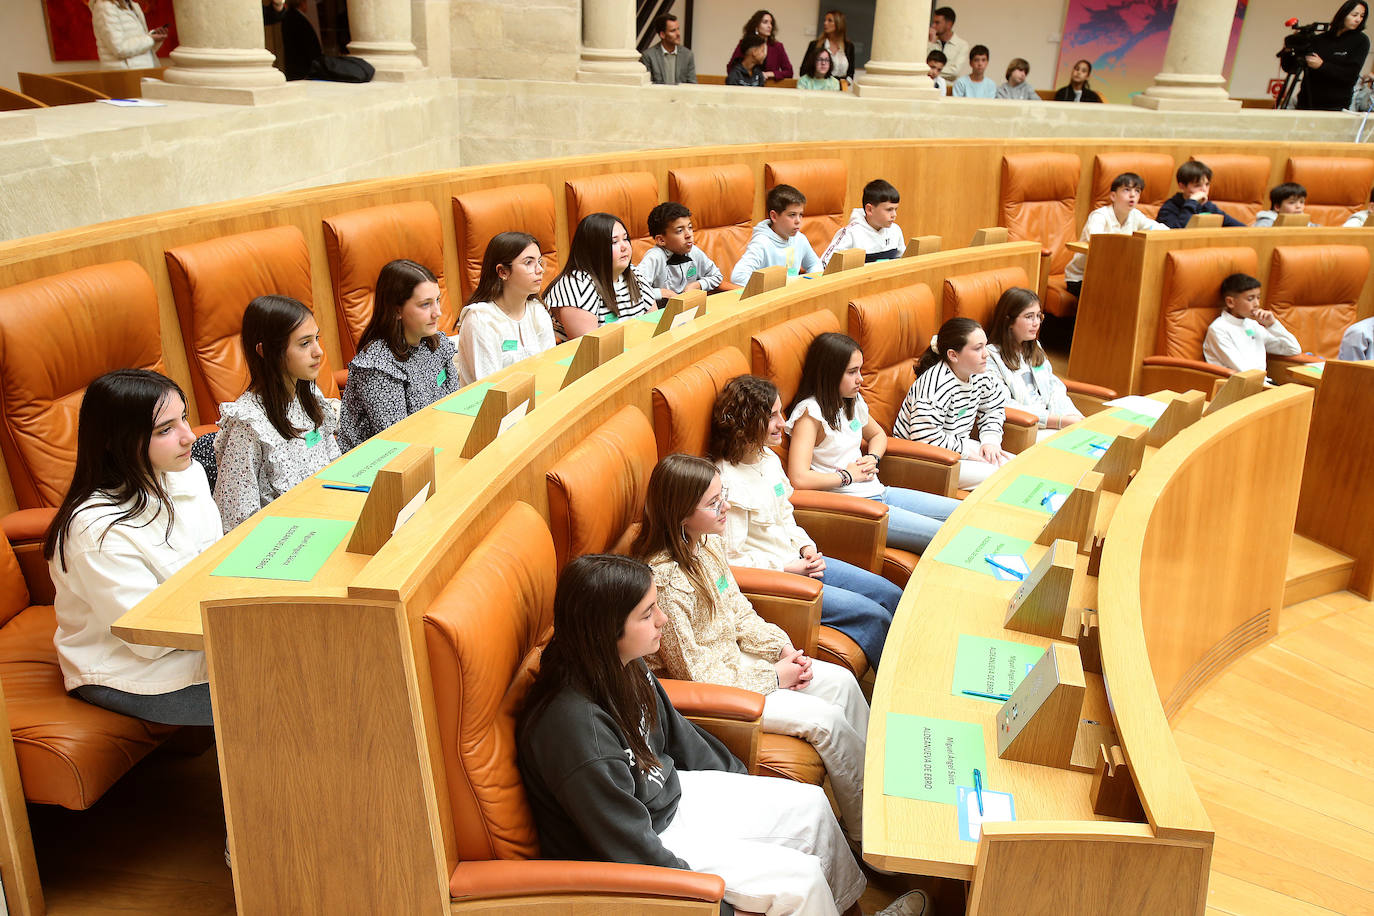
{"x": 359, "y": 466}
{"x": 285, "y": 548}
{"x": 1031, "y": 492}
{"x": 970, "y": 545}
{"x": 1081, "y": 442}
{"x": 466, "y": 402}
{"x": 991, "y": 666}
{"x": 928, "y": 758}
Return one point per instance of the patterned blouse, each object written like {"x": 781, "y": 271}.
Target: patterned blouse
{"x": 720, "y": 640}
{"x": 256, "y": 465}
{"x": 383, "y": 390}
{"x": 575, "y": 289}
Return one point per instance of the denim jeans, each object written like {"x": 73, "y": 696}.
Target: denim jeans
{"x": 859, "y": 604}
{"x": 914, "y": 516}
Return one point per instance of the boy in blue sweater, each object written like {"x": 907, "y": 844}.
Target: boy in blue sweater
{"x": 1194, "y": 184}
{"x": 778, "y": 239}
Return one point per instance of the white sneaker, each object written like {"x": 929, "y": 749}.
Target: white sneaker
{"x": 912, "y": 903}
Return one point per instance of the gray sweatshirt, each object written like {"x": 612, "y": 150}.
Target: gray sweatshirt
{"x": 666, "y": 270}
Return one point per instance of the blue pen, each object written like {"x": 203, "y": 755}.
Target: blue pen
{"x": 340, "y": 486}
{"x": 1052, "y": 494}
{"x": 978, "y": 790}
{"x": 1097, "y": 445}
{"x": 988, "y": 696}
{"x": 1010, "y": 572}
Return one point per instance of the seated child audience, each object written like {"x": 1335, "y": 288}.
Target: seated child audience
{"x": 1194, "y": 182}
{"x": 714, "y": 636}
{"x": 748, "y": 71}
{"x": 138, "y": 509}
{"x": 1358, "y": 340}
{"x": 1016, "y": 86}
{"x": 281, "y": 430}
{"x": 872, "y": 227}
{"x": 1358, "y": 218}
{"x": 952, "y": 393}
{"x": 815, "y": 73}
{"x": 829, "y": 422}
{"x": 614, "y": 773}
{"x": 760, "y": 530}
{"x": 1288, "y": 197}
{"x": 975, "y": 84}
{"x": 504, "y": 321}
{"x": 1243, "y": 333}
{"x": 778, "y": 239}
{"x": 403, "y": 364}
{"x": 1020, "y": 362}
{"x": 598, "y": 285}
{"x": 674, "y": 265}
{"x": 1077, "y": 89}
{"x": 1118, "y": 217}
{"x": 936, "y": 61}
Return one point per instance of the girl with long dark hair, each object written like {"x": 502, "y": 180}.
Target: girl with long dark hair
{"x": 776, "y": 66}
{"x": 504, "y": 321}
{"x": 1077, "y": 88}
{"x": 598, "y": 285}
{"x": 1015, "y": 355}
{"x": 1335, "y": 60}
{"x": 834, "y": 40}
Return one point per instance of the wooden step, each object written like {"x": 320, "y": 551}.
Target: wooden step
{"x": 1314, "y": 570}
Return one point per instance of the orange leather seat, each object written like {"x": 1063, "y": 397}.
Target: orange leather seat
{"x": 360, "y": 243}
{"x": 1038, "y": 200}
{"x": 975, "y": 295}
{"x": 628, "y": 195}
{"x": 825, "y": 183}
{"x": 1240, "y": 184}
{"x": 1156, "y": 169}
{"x": 57, "y": 335}
{"x": 1336, "y": 187}
{"x": 721, "y": 198}
{"x": 478, "y": 216}
{"x": 212, "y": 283}
{"x": 1190, "y": 300}
{"x": 1313, "y": 290}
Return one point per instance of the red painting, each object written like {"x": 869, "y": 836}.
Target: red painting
{"x": 71, "y": 37}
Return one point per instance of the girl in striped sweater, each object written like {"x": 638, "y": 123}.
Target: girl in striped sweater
{"x": 953, "y": 392}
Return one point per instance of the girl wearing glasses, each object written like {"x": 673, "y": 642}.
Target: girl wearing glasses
{"x": 1015, "y": 355}
{"x": 504, "y": 321}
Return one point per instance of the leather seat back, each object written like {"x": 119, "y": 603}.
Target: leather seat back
{"x": 483, "y": 633}
{"x": 683, "y": 402}
{"x": 212, "y": 283}
{"x": 628, "y": 195}
{"x": 893, "y": 329}
{"x": 1240, "y": 184}
{"x": 825, "y": 183}
{"x": 975, "y": 295}
{"x": 777, "y": 353}
{"x": 360, "y": 243}
{"x": 597, "y": 490}
{"x": 1038, "y": 199}
{"x": 479, "y": 216}
{"x": 1313, "y": 290}
{"x": 721, "y": 198}
{"x": 1336, "y": 187}
{"x": 1190, "y": 296}
{"x": 57, "y": 335}
{"x": 1155, "y": 169}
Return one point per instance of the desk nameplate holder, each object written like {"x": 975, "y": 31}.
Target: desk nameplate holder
{"x": 1113, "y": 792}
{"x": 992, "y": 235}
{"x": 1122, "y": 459}
{"x": 392, "y": 490}
{"x": 1228, "y": 391}
{"x": 922, "y": 244}
{"x": 691, "y": 301}
{"x": 595, "y": 348}
{"x": 845, "y": 259}
{"x": 1076, "y": 520}
{"x": 1042, "y": 722}
{"x": 1205, "y": 221}
{"x": 1183, "y": 411}
{"x": 501, "y": 399}
{"x": 1041, "y": 602}
{"x": 765, "y": 279}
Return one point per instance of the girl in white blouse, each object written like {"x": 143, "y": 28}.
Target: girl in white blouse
{"x": 504, "y": 321}
{"x": 138, "y": 509}
{"x": 598, "y": 285}
{"x": 281, "y": 430}
{"x": 1015, "y": 355}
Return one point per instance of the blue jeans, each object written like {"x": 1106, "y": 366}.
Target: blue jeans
{"x": 914, "y": 516}
{"x": 859, "y": 604}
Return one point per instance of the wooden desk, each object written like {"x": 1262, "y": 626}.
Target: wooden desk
{"x": 1077, "y": 247}
{"x": 1310, "y": 374}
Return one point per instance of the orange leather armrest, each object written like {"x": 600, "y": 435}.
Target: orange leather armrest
{"x": 775, "y": 584}
{"x": 695, "y": 699}
{"x": 531, "y": 877}
{"x": 1092, "y": 391}
{"x": 725, "y": 287}
{"x": 1046, "y": 253}
{"x": 1173, "y": 362}
{"x": 921, "y": 451}
{"x": 204, "y": 429}
{"x": 1018, "y": 417}
{"x": 28, "y": 525}
{"x": 822, "y": 501}
{"x": 1299, "y": 358}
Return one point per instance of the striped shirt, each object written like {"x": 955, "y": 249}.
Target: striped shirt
{"x": 575, "y": 289}
{"x": 941, "y": 410}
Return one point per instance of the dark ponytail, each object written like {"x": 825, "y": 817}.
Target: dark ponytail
{"x": 954, "y": 335}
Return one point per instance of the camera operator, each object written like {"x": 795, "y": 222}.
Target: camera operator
{"x": 1335, "y": 59}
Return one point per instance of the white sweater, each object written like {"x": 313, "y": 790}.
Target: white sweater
{"x": 1037, "y": 390}
{"x": 760, "y": 529}
{"x": 1103, "y": 221}
{"x": 1241, "y": 343}
{"x": 121, "y": 35}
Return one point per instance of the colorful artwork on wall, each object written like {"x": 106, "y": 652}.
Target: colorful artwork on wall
{"x": 69, "y": 27}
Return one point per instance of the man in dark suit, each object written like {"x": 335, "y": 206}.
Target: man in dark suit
{"x": 668, "y": 62}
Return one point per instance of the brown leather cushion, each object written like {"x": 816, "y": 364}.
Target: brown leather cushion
{"x": 1313, "y": 290}
{"x": 893, "y": 329}
{"x": 57, "y": 335}
{"x": 1240, "y": 184}
{"x": 835, "y": 647}
{"x": 1336, "y": 186}
{"x": 482, "y": 633}
{"x": 683, "y": 402}
{"x": 1039, "y": 196}
{"x": 1190, "y": 297}
{"x": 212, "y": 283}
{"x": 975, "y": 295}
{"x": 898, "y": 565}
{"x": 478, "y": 216}
{"x": 721, "y": 198}
{"x": 790, "y": 758}
{"x": 1156, "y": 169}
{"x": 69, "y": 751}
{"x": 360, "y": 243}
{"x": 824, "y": 182}
{"x": 777, "y": 353}
{"x": 597, "y": 490}
{"x": 14, "y": 591}
{"x": 628, "y": 195}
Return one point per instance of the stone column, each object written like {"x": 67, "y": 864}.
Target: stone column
{"x": 608, "y": 52}
{"x": 221, "y": 57}
{"x": 1191, "y": 79}
{"x": 382, "y": 36}
{"x": 897, "y": 70}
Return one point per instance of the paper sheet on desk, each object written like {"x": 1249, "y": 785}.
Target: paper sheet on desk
{"x": 997, "y": 806}
{"x": 1137, "y": 404}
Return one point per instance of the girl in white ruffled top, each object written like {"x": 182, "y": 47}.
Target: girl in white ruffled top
{"x": 281, "y": 430}
{"x": 1015, "y": 355}
{"x": 504, "y": 321}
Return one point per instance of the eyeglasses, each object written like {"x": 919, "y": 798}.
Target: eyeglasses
{"x": 715, "y": 504}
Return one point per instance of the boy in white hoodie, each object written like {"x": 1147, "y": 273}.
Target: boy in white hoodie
{"x": 778, "y": 239}
{"x": 872, "y": 227}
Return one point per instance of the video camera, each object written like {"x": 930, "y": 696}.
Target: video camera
{"x": 1299, "y": 44}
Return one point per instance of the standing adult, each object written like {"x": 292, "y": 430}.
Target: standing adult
{"x": 776, "y": 66}
{"x": 834, "y": 39}
{"x": 669, "y": 62}
{"x": 943, "y": 39}
{"x": 122, "y": 38}
{"x": 1335, "y": 60}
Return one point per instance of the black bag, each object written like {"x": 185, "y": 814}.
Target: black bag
{"x": 341, "y": 69}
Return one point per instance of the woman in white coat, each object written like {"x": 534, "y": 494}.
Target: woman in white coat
{"x": 122, "y": 38}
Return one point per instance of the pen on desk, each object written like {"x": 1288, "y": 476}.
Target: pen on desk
{"x": 341, "y": 486}
{"x": 1097, "y": 445}
{"x": 1051, "y": 495}
{"x": 988, "y": 696}
{"x": 1010, "y": 572}
{"x": 978, "y": 790}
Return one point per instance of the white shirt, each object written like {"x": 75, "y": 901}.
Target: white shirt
{"x": 1241, "y": 343}
{"x": 859, "y": 233}
{"x": 1103, "y": 221}
{"x": 838, "y": 448}
{"x": 941, "y": 409}
{"x": 956, "y": 56}
{"x": 106, "y": 578}
{"x": 760, "y": 528}
{"x": 490, "y": 340}
{"x": 1032, "y": 388}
